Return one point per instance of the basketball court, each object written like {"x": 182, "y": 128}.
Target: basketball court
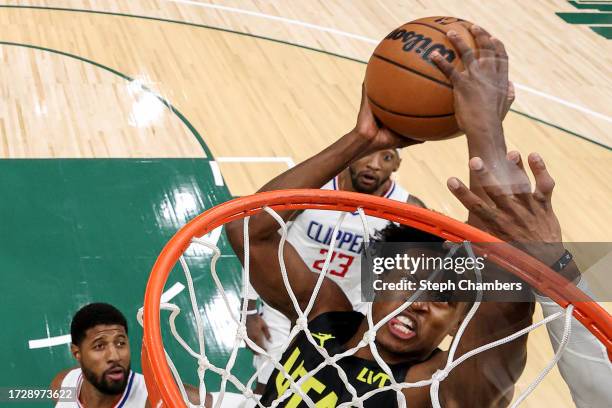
{"x": 123, "y": 120}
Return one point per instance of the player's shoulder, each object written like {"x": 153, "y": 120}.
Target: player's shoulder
{"x": 343, "y": 322}
{"x": 397, "y": 192}
{"x": 414, "y": 200}
{"x": 59, "y": 378}
{"x": 137, "y": 382}
{"x": 137, "y": 389}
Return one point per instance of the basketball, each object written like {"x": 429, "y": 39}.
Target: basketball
{"x": 406, "y": 90}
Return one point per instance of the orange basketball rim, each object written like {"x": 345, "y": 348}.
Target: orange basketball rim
{"x": 161, "y": 385}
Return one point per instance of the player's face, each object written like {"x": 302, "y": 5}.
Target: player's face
{"x": 370, "y": 172}
{"x": 104, "y": 356}
{"x": 418, "y": 330}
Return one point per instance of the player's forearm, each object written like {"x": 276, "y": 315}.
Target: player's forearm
{"x": 485, "y": 138}
{"x": 321, "y": 167}
{"x": 584, "y": 365}
{"x": 312, "y": 173}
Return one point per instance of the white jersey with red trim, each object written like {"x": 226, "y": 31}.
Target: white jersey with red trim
{"x": 311, "y": 232}
{"x": 134, "y": 395}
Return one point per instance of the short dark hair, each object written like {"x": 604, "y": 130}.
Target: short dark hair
{"x": 403, "y": 233}
{"x": 395, "y": 233}
{"x": 92, "y": 315}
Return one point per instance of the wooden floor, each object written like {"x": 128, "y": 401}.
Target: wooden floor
{"x": 251, "y": 97}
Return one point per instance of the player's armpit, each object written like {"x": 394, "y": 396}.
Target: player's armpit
{"x": 415, "y": 201}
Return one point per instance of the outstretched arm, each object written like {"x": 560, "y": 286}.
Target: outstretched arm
{"x": 500, "y": 201}
{"x": 525, "y": 217}
{"x": 483, "y": 95}
{"x": 266, "y": 277}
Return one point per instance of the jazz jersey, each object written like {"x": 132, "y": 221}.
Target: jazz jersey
{"x": 311, "y": 233}
{"x": 326, "y": 389}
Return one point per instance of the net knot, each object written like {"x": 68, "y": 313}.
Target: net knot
{"x": 241, "y": 333}
{"x": 248, "y": 393}
{"x": 301, "y": 323}
{"x": 369, "y": 337}
{"x": 439, "y": 375}
{"x": 203, "y": 363}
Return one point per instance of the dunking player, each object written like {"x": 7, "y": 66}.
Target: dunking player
{"x": 500, "y": 201}
{"x": 310, "y": 234}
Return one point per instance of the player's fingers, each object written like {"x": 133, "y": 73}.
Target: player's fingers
{"x": 497, "y": 191}
{"x": 482, "y": 29}
{"x": 465, "y": 52}
{"x": 447, "y": 69}
{"x": 364, "y": 98}
{"x": 483, "y": 41}
{"x": 510, "y": 97}
{"x": 544, "y": 182}
{"x": 521, "y": 186}
{"x": 501, "y": 56}
{"x": 515, "y": 157}
{"x": 470, "y": 201}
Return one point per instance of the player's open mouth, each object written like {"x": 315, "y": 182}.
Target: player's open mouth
{"x": 402, "y": 327}
{"x": 368, "y": 179}
{"x": 115, "y": 374}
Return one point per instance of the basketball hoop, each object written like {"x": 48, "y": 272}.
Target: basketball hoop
{"x": 162, "y": 387}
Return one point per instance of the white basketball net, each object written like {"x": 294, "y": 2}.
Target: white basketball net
{"x": 302, "y": 326}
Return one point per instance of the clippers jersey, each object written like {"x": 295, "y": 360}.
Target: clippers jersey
{"x": 134, "y": 395}
{"x": 310, "y": 234}
{"x": 326, "y": 389}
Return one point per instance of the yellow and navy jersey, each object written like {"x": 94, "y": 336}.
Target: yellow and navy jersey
{"x": 326, "y": 388}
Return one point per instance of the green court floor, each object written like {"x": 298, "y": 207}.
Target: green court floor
{"x": 75, "y": 231}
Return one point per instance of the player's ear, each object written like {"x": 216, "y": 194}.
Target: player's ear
{"x": 455, "y": 327}
{"x": 396, "y": 166}
{"x": 76, "y": 352}
{"x": 453, "y": 330}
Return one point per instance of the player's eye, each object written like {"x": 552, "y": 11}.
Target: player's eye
{"x": 99, "y": 346}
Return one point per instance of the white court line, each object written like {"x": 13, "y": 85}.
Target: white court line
{"x": 553, "y": 98}
{"x": 49, "y": 341}
{"x": 564, "y": 102}
{"x": 66, "y": 339}
{"x": 250, "y": 159}
{"x": 214, "y": 166}
{"x": 277, "y": 18}
{"x": 168, "y": 295}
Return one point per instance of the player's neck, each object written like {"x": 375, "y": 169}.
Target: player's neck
{"x": 90, "y": 397}
{"x": 345, "y": 183}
